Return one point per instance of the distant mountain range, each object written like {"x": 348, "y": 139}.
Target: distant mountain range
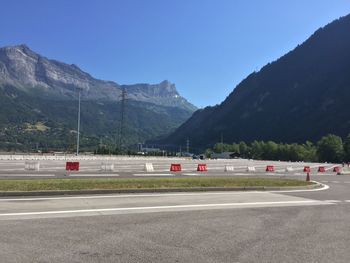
{"x": 302, "y": 96}
{"x": 38, "y": 105}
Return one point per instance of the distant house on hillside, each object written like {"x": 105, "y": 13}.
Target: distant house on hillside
{"x": 225, "y": 155}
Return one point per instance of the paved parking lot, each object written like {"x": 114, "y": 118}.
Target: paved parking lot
{"x": 275, "y": 226}
{"x": 135, "y": 167}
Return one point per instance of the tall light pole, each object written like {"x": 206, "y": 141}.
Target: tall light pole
{"x": 222, "y": 143}
{"x": 122, "y": 119}
{"x": 78, "y": 134}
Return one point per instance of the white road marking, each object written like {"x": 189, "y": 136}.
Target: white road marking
{"x": 324, "y": 187}
{"x": 129, "y": 195}
{"x": 28, "y": 175}
{"x": 169, "y": 207}
{"x": 94, "y": 175}
{"x": 53, "y": 168}
{"x": 154, "y": 174}
{"x": 12, "y": 169}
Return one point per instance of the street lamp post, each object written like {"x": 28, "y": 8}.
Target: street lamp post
{"x": 78, "y": 134}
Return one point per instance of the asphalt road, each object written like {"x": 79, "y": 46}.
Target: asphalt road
{"x": 303, "y": 226}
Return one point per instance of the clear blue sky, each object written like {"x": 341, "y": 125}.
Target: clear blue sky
{"x": 206, "y": 47}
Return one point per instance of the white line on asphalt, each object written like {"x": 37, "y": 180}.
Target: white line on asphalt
{"x": 153, "y": 174}
{"x": 167, "y": 207}
{"x": 324, "y": 187}
{"x": 12, "y": 169}
{"x": 130, "y": 195}
{"x": 28, "y": 175}
{"x": 94, "y": 175}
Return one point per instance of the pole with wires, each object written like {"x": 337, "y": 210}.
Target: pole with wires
{"x": 78, "y": 131}
{"x": 122, "y": 120}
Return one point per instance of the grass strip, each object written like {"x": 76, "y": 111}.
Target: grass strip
{"x": 143, "y": 183}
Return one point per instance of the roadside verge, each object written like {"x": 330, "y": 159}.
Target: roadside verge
{"x": 46, "y": 187}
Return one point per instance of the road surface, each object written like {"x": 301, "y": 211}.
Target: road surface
{"x": 303, "y": 226}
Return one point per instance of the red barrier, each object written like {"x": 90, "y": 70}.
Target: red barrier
{"x": 321, "y": 169}
{"x": 270, "y": 168}
{"x": 307, "y": 169}
{"x": 336, "y": 169}
{"x": 202, "y": 167}
{"x": 175, "y": 167}
{"x": 72, "y": 166}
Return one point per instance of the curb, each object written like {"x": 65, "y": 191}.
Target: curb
{"x": 344, "y": 173}
{"x": 166, "y": 190}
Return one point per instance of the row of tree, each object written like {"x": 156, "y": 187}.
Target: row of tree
{"x": 330, "y": 148}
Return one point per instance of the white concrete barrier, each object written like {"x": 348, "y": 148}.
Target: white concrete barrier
{"x": 289, "y": 169}
{"x": 107, "y": 167}
{"x": 32, "y": 166}
{"x": 250, "y": 169}
{"x": 149, "y": 167}
{"x": 229, "y": 168}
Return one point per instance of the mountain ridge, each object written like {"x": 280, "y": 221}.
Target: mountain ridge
{"x": 22, "y": 67}
{"x": 38, "y": 105}
{"x": 300, "y": 96}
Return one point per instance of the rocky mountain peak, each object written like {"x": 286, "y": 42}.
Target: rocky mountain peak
{"x": 19, "y": 51}
{"x": 27, "y": 70}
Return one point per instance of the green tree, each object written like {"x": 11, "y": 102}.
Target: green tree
{"x": 270, "y": 150}
{"x": 257, "y": 149}
{"x": 330, "y": 149}
{"x": 234, "y": 147}
{"x": 223, "y": 147}
{"x": 244, "y": 150}
{"x": 218, "y": 148}
{"x": 310, "y": 152}
{"x": 347, "y": 148}
{"x": 208, "y": 153}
